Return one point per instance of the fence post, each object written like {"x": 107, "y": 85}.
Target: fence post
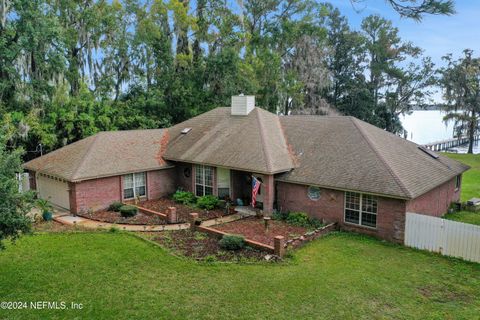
{"x": 279, "y": 246}
{"x": 171, "y": 215}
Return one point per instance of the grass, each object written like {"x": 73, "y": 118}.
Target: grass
{"x": 341, "y": 276}
{"x": 470, "y": 187}
{"x": 464, "y": 216}
{"x": 471, "y": 178}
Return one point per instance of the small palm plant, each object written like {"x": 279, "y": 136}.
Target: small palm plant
{"x": 46, "y": 208}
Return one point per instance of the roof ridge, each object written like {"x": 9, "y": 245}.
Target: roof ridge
{"x": 263, "y": 139}
{"x": 380, "y": 156}
{"x": 85, "y": 156}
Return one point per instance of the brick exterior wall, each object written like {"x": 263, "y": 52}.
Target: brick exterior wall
{"x": 186, "y": 183}
{"x": 98, "y": 194}
{"x": 161, "y": 183}
{"x": 32, "y": 180}
{"x": 330, "y": 208}
{"x": 435, "y": 202}
{"x": 269, "y": 195}
{"x": 95, "y": 194}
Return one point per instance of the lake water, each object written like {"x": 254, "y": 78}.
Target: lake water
{"x": 426, "y": 126}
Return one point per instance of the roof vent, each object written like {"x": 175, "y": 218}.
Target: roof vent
{"x": 242, "y": 105}
{"x": 429, "y": 152}
{"x": 186, "y": 130}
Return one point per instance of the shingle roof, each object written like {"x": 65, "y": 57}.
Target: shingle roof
{"x": 346, "y": 153}
{"x": 333, "y": 152}
{"x": 252, "y": 143}
{"x": 105, "y": 154}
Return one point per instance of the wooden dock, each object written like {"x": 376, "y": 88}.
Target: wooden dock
{"x": 449, "y": 143}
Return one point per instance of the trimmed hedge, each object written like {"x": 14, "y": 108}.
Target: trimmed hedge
{"x": 208, "y": 202}
{"x": 115, "y": 206}
{"x": 232, "y": 242}
{"x": 128, "y": 211}
{"x": 184, "y": 197}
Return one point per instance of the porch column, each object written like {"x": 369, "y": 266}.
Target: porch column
{"x": 269, "y": 194}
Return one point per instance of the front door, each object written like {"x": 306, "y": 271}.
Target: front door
{"x": 223, "y": 183}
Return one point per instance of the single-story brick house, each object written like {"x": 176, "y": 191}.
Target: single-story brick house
{"x": 334, "y": 168}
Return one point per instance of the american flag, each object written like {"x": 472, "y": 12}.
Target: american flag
{"x": 255, "y": 187}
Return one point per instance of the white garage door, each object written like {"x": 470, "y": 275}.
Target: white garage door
{"x": 54, "y": 190}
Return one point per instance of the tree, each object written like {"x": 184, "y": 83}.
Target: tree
{"x": 14, "y": 205}
{"x": 460, "y": 81}
{"x": 416, "y": 9}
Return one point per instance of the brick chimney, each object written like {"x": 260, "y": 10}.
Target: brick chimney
{"x": 242, "y": 105}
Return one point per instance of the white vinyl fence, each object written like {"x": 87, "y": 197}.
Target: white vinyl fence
{"x": 450, "y": 238}
{"x": 23, "y": 182}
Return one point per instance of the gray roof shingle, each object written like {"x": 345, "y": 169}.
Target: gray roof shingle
{"x": 347, "y": 153}
{"x": 105, "y": 154}
{"x": 333, "y": 152}
{"x": 251, "y": 143}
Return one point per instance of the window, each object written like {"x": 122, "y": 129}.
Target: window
{"x": 313, "y": 193}
{"x": 134, "y": 185}
{"x": 361, "y": 209}
{"x": 458, "y": 181}
{"x": 203, "y": 180}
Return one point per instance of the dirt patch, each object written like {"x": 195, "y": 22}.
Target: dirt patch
{"x": 253, "y": 228}
{"x": 200, "y": 246}
{"x": 161, "y": 205}
{"x": 444, "y": 294}
{"x": 54, "y": 226}
{"x": 115, "y": 217}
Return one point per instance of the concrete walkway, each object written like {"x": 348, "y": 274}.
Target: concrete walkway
{"x": 68, "y": 219}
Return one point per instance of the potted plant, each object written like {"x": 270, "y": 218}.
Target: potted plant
{"x": 46, "y": 208}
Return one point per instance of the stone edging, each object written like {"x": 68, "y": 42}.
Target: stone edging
{"x": 309, "y": 236}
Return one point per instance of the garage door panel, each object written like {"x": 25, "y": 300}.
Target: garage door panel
{"x": 53, "y": 190}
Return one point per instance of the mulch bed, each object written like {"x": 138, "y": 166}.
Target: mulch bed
{"x": 161, "y": 205}
{"x": 253, "y": 228}
{"x": 200, "y": 246}
{"x": 115, "y": 217}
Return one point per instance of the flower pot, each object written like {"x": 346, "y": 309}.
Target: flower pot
{"x": 47, "y": 216}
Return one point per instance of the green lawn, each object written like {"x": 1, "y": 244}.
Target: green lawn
{"x": 470, "y": 187}
{"x": 471, "y": 178}
{"x": 464, "y": 216}
{"x": 342, "y": 276}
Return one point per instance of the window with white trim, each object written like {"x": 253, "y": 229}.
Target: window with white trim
{"x": 361, "y": 209}
{"x": 134, "y": 185}
{"x": 203, "y": 180}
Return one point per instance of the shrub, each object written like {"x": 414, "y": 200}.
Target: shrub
{"x": 277, "y": 215}
{"x": 128, "y": 211}
{"x": 113, "y": 229}
{"x": 184, "y": 197}
{"x": 232, "y": 242}
{"x": 298, "y": 219}
{"x": 115, "y": 206}
{"x": 208, "y": 202}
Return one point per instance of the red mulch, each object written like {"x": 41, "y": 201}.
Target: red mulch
{"x": 253, "y": 228}
{"x": 116, "y": 217}
{"x": 160, "y": 205}
{"x": 200, "y": 246}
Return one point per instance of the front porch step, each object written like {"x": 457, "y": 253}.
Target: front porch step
{"x": 245, "y": 211}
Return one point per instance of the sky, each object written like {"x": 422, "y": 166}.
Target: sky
{"x": 437, "y": 35}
